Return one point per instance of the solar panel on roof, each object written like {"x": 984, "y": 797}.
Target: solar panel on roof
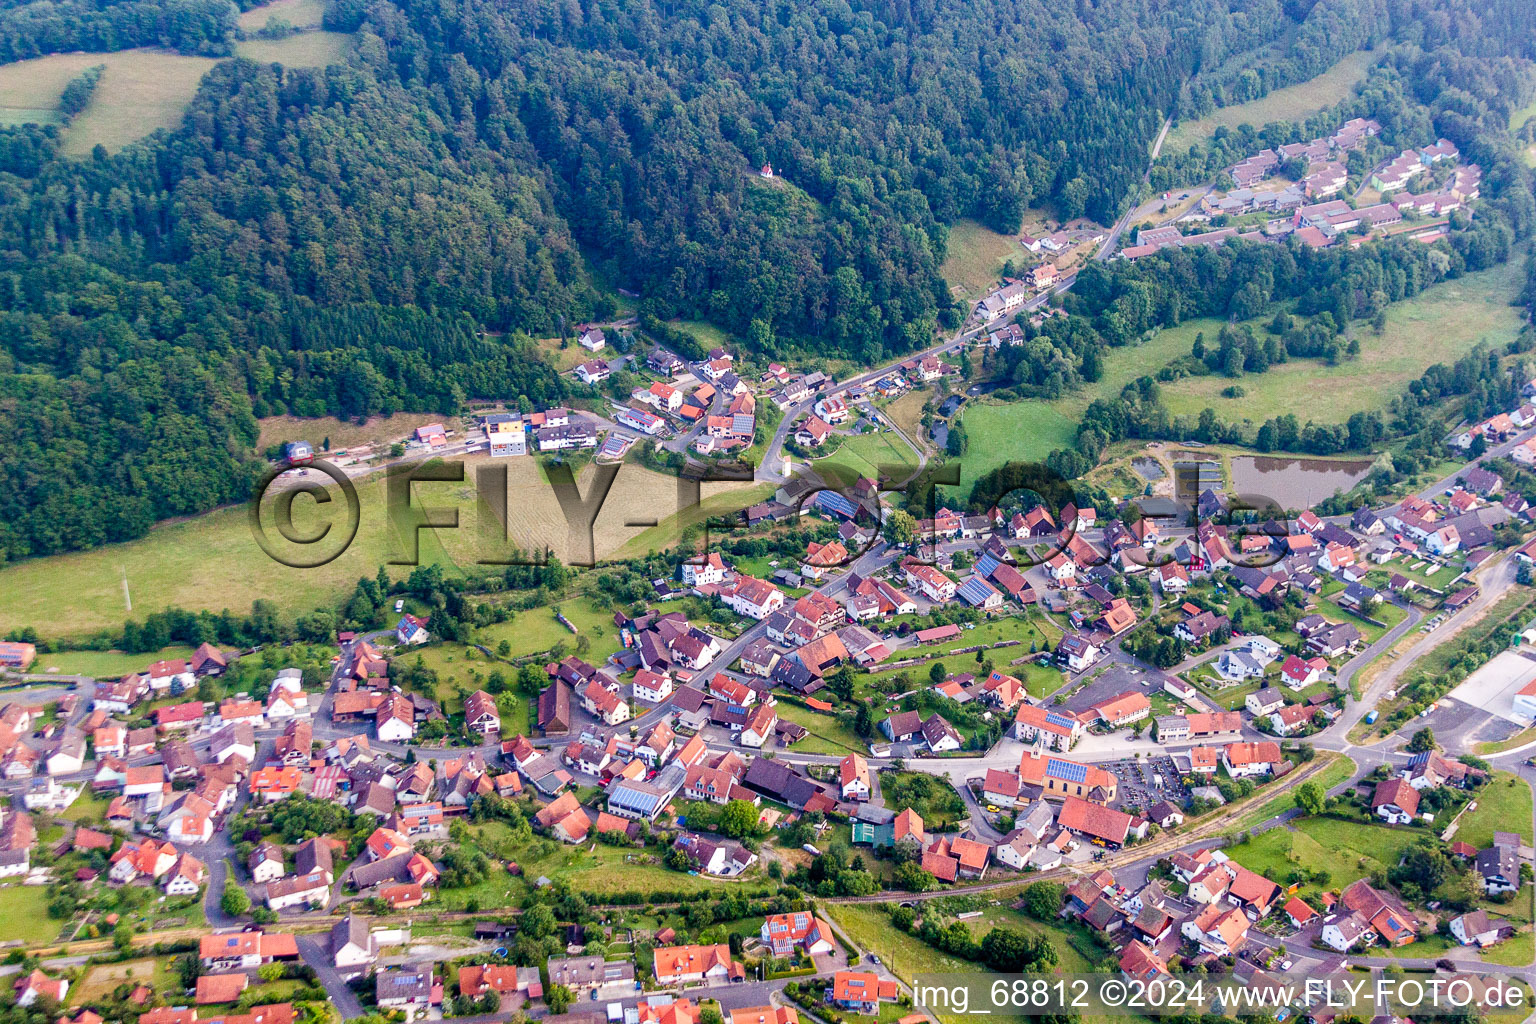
{"x": 1067, "y": 770}
{"x": 834, "y": 502}
{"x": 986, "y": 565}
{"x": 1058, "y": 719}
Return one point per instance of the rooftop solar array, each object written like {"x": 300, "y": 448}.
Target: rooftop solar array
{"x": 831, "y": 501}
{"x": 1068, "y": 770}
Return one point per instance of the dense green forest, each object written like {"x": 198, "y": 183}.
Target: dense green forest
{"x": 336, "y": 241}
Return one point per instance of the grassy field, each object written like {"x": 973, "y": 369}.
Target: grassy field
{"x": 1346, "y": 850}
{"x": 1293, "y": 103}
{"x": 718, "y": 500}
{"x": 538, "y": 630}
{"x": 907, "y": 956}
{"x": 103, "y": 664}
{"x": 88, "y": 808}
{"x": 607, "y": 869}
{"x": 1503, "y": 805}
{"x": 140, "y": 91}
{"x": 1438, "y": 325}
{"x": 976, "y": 257}
{"x": 298, "y": 13}
{"x": 343, "y": 434}
{"x": 1020, "y": 431}
{"x": 1519, "y": 739}
{"x": 906, "y": 411}
{"x": 1334, "y": 773}
{"x": 828, "y": 735}
{"x": 862, "y": 455}
{"x": 76, "y": 594}
{"x": 1518, "y": 118}
{"x": 313, "y": 49}
{"x": 24, "y": 908}
{"x": 100, "y": 980}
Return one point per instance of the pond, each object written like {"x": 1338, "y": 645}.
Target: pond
{"x": 1148, "y": 469}
{"x": 1296, "y": 483}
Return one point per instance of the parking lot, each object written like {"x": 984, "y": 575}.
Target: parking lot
{"x": 1146, "y": 780}
{"x": 1116, "y": 679}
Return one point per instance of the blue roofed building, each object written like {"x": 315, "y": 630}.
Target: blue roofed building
{"x": 631, "y": 798}
{"x": 978, "y": 593}
{"x": 835, "y": 504}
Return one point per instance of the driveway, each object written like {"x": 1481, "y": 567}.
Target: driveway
{"x": 315, "y": 951}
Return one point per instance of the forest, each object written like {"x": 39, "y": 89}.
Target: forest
{"x": 388, "y": 234}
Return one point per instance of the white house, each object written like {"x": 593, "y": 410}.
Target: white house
{"x": 411, "y": 630}
{"x": 302, "y": 890}
{"x": 652, "y": 687}
{"x": 710, "y": 569}
{"x": 853, "y": 777}
{"x": 753, "y": 598}
{"x": 1443, "y": 541}
{"x": 759, "y": 726}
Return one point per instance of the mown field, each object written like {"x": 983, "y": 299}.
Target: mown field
{"x": 976, "y": 257}
{"x": 1293, "y": 103}
{"x": 1346, "y": 850}
{"x": 343, "y": 434}
{"x": 103, "y": 664}
{"x": 1436, "y": 326}
{"x": 1503, "y": 805}
{"x": 908, "y": 956}
{"x": 141, "y": 91}
{"x": 1009, "y": 431}
{"x": 313, "y": 49}
{"x": 862, "y": 455}
{"x": 212, "y": 561}
{"x": 298, "y": 13}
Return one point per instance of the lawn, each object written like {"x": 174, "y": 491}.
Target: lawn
{"x": 312, "y": 49}
{"x": 76, "y": 594}
{"x": 100, "y": 980}
{"x": 1336, "y": 771}
{"x": 908, "y": 956}
{"x": 88, "y": 808}
{"x": 298, "y": 13}
{"x": 1000, "y": 432}
{"x": 1011, "y": 432}
{"x": 1503, "y": 805}
{"x": 537, "y": 630}
{"x": 975, "y": 258}
{"x": 1436, "y": 326}
{"x": 605, "y": 870}
{"x": 104, "y": 664}
{"x": 1346, "y": 850}
{"x": 26, "y": 908}
{"x": 1230, "y": 698}
{"x": 864, "y": 455}
{"x": 1039, "y": 680}
{"x": 1293, "y": 103}
{"x": 140, "y": 91}
{"x": 828, "y": 735}
{"x": 342, "y": 434}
